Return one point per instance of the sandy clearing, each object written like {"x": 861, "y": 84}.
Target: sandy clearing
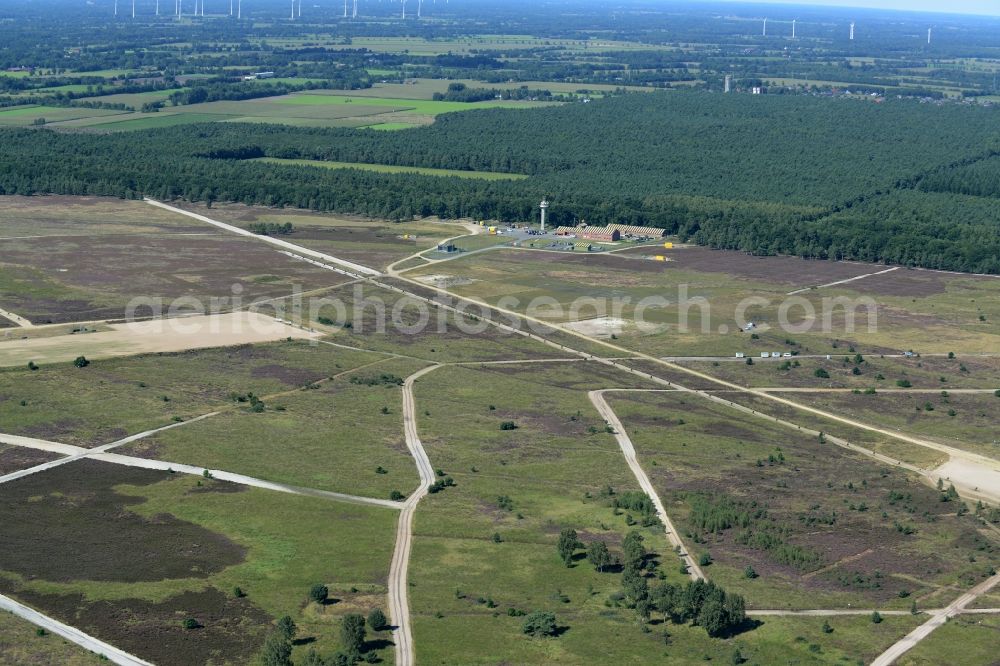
{"x": 598, "y": 327}
{"x": 984, "y": 478}
{"x": 159, "y": 335}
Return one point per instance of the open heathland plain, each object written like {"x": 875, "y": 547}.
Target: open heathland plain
{"x": 516, "y": 445}
{"x": 93, "y": 260}
{"x": 923, "y": 373}
{"x": 820, "y": 526}
{"x": 702, "y": 306}
{"x": 192, "y": 542}
{"x": 384, "y": 320}
{"x": 964, "y": 421}
{"x": 464, "y": 578}
{"x": 341, "y": 435}
{"x": 108, "y": 400}
{"x": 21, "y": 643}
{"x": 373, "y": 243}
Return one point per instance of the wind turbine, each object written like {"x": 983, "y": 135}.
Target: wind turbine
{"x": 133, "y": 8}
{"x": 404, "y": 10}
{"x": 852, "y": 32}
{"x": 239, "y": 9}
{"x": 355, "y": 12}
{"x": 764, "y": 33}
{"x": 116, "y": 7}
{"x": 293, "y": 9}
{"x": 793, "y": 28}
{"x": 300, "y": 8}
{"x": 420, "y": 4}
{"x": 157, "y": 7}
{"x": 345, "y": 8}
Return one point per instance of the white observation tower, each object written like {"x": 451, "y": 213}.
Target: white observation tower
{"x": 544, "y": 206}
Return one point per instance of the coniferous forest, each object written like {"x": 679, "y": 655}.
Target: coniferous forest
{"x": 899, "y": 181}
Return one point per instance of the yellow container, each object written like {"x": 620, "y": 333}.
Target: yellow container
{"x": 659, "y": 257}
{"x": 668, "y": 245}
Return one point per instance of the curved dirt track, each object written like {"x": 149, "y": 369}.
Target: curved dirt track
{"x": 399, "y": 606}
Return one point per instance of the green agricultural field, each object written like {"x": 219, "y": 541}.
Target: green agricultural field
{"x": 111, "y": 399}
{"x": 388, "y": 168}
{"x": 342, "y": 436}
{"x": 153, "y": 120}
{"x": 134, "y": 99}
{"x": 20, "y": 643}
{"x": 26, "y": 115}
{"x": 388, "y": 127}
{"x": 420, "y": 106}
{"x": 199, "y": 540}
{"x": 826, "y": 525}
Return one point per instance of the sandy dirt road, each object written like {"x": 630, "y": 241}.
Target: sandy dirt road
{"x": 17, "y": 319}
{"x": 71, "y": 634}
{"x": 158, "y": 335}
{"x": 399, "y": 605}
{"x": 625, "y": 442}
{"x": 350, "y": 266}
{"x": 954, "y": 608}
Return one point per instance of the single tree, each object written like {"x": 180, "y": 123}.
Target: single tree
{"x": 81, "y": 362}
{"x": 568, "y": 543}
{"x": 377, "y": 620}
{"x": 319, "y": 593}
{"x": 287, "y": 628}
{"x": 599, "y": 556}
{"x": 539, "y": 623}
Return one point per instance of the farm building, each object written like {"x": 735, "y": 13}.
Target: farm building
{"x": 633, "y": 230}
{"x": 590, "y": 233}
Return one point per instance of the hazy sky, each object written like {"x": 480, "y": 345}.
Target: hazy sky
{"x": 991, "y": 7}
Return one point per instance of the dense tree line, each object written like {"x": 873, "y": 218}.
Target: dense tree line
{"x": 834, "y": 179}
